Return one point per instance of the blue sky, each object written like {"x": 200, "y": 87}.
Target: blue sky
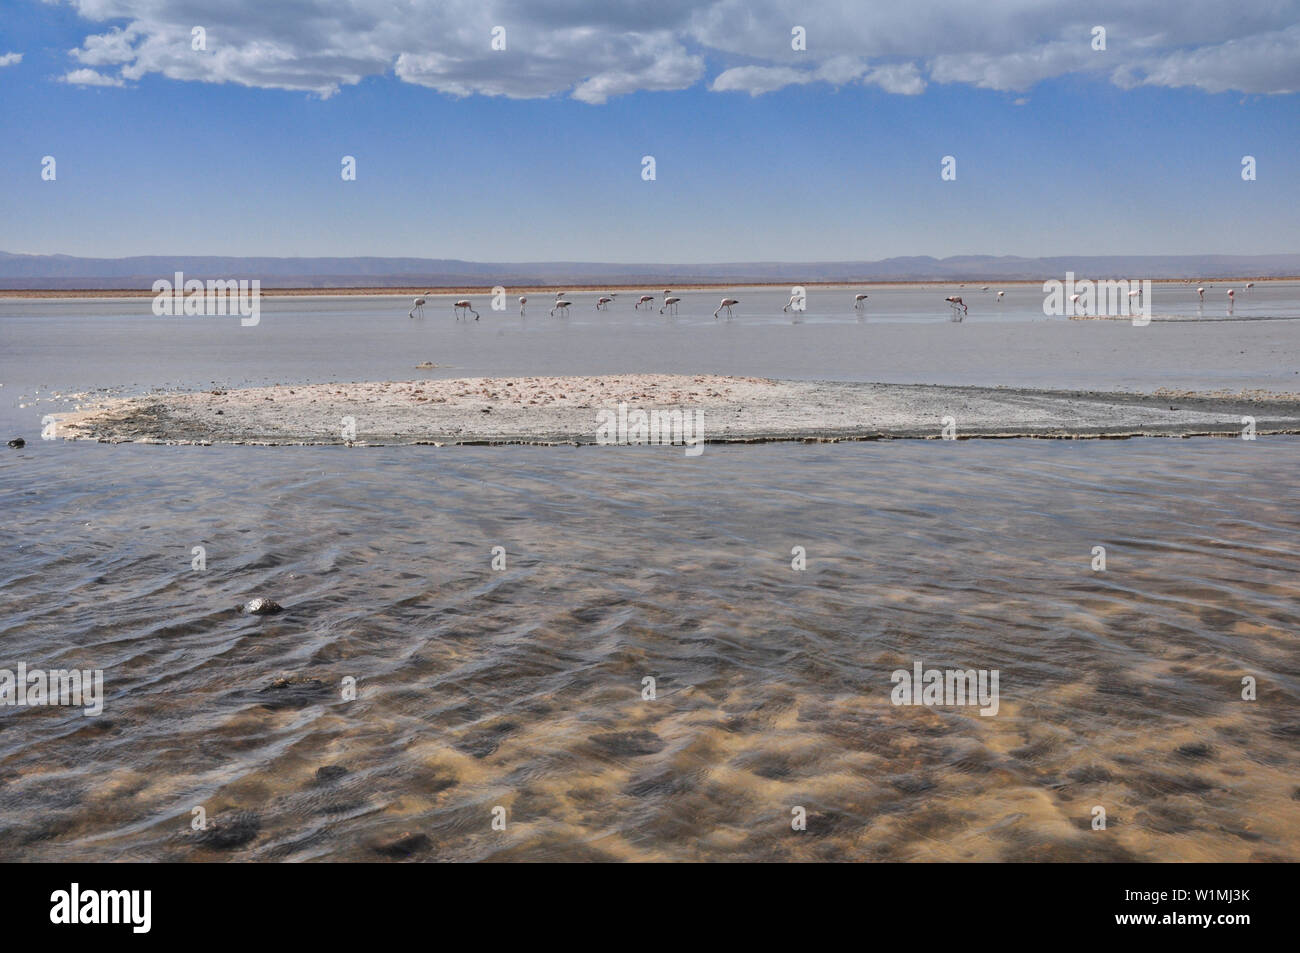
{"x": 535, "y": 153}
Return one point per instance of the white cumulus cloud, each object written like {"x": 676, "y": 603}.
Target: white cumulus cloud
{"x": 594, "y": 51}
{"x": 88, "y": 77}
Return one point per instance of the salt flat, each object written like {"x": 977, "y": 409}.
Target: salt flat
{"x": 566, "y": 409}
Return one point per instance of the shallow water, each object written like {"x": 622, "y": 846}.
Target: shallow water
{"x": 522, "y": 688}
{"x": 904, "y": 337}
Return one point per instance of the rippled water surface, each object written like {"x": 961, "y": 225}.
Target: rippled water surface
{"x": 522, "y": 688}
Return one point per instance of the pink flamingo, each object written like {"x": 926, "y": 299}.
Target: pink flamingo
{"x": 561, "y": 306}
{"x": 522, "y": 301}
{"x": 671, "y": 303}
{"x": 462, "y": 306}
{"x": 644, "y": 299}
{"x": 726, "y": 303}
{"x": 956, "y": 303}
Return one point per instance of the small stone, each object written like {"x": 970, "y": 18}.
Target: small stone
{"x": 260, "y": 606}
{"x": 230, "y": 831}
{"x": 402, "y": 845}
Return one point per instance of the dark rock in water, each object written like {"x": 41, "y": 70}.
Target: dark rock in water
{"x": 230, "y": 831}
{"x": 261, "y": 606}
{"x": 658, "y": 785}
{"x": 1089, "y": 774}
{"x": 403, "y": 845}
{"x": 293, "y": 693}
{"x": 912, "y": 784}
{"x": 630, "y": 743}
{"x": 331, "y": 772}
{"x": 18, "y": 443}
{"x": 483, "y": 743}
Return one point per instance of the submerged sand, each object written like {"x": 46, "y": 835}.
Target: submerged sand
{"x": 553, "y": 410}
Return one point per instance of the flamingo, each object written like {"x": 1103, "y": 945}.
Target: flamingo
{"x": 1232, "y": 296}
{"x": 522, "y": 301}
{"x": 858, "y": 302}
{"x": 956, "y": 303}
{"x": 790, "y": 304}
{"x": 1000, "y": 294}
{"x": 985, "y": 288}
{"x": 1135, "y": 294}
{"x": 602, "y": 303}
{"x": 561, "y": 306}
{"x": 464, "y": 305}
{"x": 671, "y": 303}
{"x": 1074, "y": 300}
{"x": 1249, "y": 285}
{"x": 726, "y": 303}
{"x": 1201, "y": 291}
{"x": 644, "y": 299}
{"x": 419, "y": 306}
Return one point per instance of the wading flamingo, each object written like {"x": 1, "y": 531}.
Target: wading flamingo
{"x": 859, "y": 302}
{"x": 956, "y": 303}
{"x": 419, "y": 306}
{"x": 726, "y": 303}
{"x": 1201, "y": 291}
{"x": 1074, "y": 300}
{"x": 644, "y": 299}
{"x": 462, "y": 306}
{"x": 670, "y": 303}
{"x": 522, "y": 301}
{"x": 790, "y": 304}
{"x": 561, "y": 306}
{"x": 1000, "y": 294}
{"x": 602, "y": 303}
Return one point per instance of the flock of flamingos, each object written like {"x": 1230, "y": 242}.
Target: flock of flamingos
{"x": 465, "y": 307}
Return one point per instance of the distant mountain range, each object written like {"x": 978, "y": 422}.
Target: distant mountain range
{"x": 64, "y": 271}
